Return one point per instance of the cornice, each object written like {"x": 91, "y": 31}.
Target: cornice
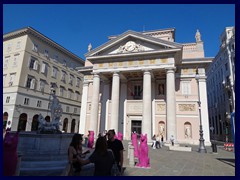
{"x": 40, "y": 36}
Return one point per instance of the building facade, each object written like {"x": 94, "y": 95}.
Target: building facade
{"x": 146, "y": 82}
{"x": 33, "y": 66}
{"x": 221, "y": 87}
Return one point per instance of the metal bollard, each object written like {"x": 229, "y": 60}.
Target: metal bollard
{"x": 131, "y": 156}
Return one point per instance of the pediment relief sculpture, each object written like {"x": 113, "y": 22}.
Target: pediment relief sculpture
{"x": 130, "y": 46}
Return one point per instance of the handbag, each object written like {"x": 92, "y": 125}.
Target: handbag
{"x": 115, "y": 171}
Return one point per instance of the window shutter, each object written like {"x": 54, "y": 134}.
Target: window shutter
{"x": 35, "y": 66}
{"x": 43, "y": 70}
{"x": 32, "y": 84}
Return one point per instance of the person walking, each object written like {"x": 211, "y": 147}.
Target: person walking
{"x": 158, "y": 139}
{"x": 117, "y": 147}
{"x": 154, "y": 141}
{"x": 161, "y": 143}
{"x": 172, "y": 140}
{"x": 101, "y": 157}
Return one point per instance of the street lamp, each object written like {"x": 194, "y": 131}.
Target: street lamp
{"x": 227, "y": 88}
{"x": 201, "y": 148}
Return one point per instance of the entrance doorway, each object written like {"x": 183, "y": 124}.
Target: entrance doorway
{"x": 137, "y": 127}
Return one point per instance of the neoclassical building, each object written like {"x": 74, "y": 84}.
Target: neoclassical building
{"x": 146, "y": 82}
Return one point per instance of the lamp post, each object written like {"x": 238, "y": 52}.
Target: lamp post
{"x": 229, "y": 108}
{"x": 201, "y": 148}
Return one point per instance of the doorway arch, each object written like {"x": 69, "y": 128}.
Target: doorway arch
{"x": 35, "y": 123}
{"x": 22, "y": 122}
{"x": 65, "y": 124}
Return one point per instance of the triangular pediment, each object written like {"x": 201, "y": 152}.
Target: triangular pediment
{"x": 132, "y": 42}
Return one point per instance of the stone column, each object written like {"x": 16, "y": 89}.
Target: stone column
{"x": 123, "y": 97}
{"x": 83, "y": 113}
{"x": 95, "y": 104}
{"x": 105, "y": 98}
{"x": 147, "y": 106}
{"x": 171, "y": 105}
{"x": 204, "y": 109}
{"x": 115, "y": 102}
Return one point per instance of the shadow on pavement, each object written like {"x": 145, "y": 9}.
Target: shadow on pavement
{"x": 228, "y": 161}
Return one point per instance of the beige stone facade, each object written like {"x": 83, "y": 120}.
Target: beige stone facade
{"x": 32, "y": 65}
{"x": 146, "y": 82}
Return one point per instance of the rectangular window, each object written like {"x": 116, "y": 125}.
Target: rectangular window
{"x": 54, "y": 72}
{"x": 26, "y": 101}
{"x": 8, "y": 99}
{"x": 75, "y": 110}
{"x": 70, "y": 92}
{"x": 30, "y": 82}
{"x": 186, "y": 88}
{"x": 39, "y": 103}
{"x": 41, "y": 85}
{"x": 46, "y": 53}
{"x": 78, "y": 82}
{"x": 15, "y": 59}
{"x": 44, "y": 68}
{"x": 63, "y": 78}
{"x": 12, "y": 77}
{"x": 71, "y": 79}
{"x": 61, "y": 91}
{"x": 55, "y": 58}
{"x": 33, "y": 63}
{"x": 9, "y": 47}
{"x": 6, "y": 62}
{"x": 64, "y": 62}
{"x": 67, "y": 108}
{"x": 18, "y": 45}
{"x": 35, "y": 48}
{"x": 137, "y": 92}
{"x": 4, "y": 77}
{"x": 77, "y": 95}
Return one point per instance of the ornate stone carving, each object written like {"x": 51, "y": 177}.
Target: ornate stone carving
{"x": 130, "y": 46}
{"x": 161, "y": 107}
{"x": 186, "y": 107}
{"x": 56, "y": 113}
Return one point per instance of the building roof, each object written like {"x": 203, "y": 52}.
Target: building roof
{"x": 32, "y": 31}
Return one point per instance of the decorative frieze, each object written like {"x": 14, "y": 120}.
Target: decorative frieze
{"x": 134, "y": 108}
{"x": 131, "y": 63}
{"x": 160, "y": 107}
{"x": 88, "y": 77}
{"x": 187, "y": 107}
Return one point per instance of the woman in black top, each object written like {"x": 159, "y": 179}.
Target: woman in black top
{"x": 102, "y": 158}
{"x": 75, "y": 153}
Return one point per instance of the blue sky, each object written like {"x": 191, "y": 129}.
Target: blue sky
{"x": 74, "y": 26}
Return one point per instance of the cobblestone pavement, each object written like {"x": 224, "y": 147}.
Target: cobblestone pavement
{"x": 176, "y": 163}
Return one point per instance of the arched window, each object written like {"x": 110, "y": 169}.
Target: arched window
{"x": 35, "y": 123}
{"x": 47, "y": 118}
{"x": 65, "y": 125}
{"x": 73, "y": 124}
{"x": 22, "y": 122}
{"x": 5, "y": 118}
